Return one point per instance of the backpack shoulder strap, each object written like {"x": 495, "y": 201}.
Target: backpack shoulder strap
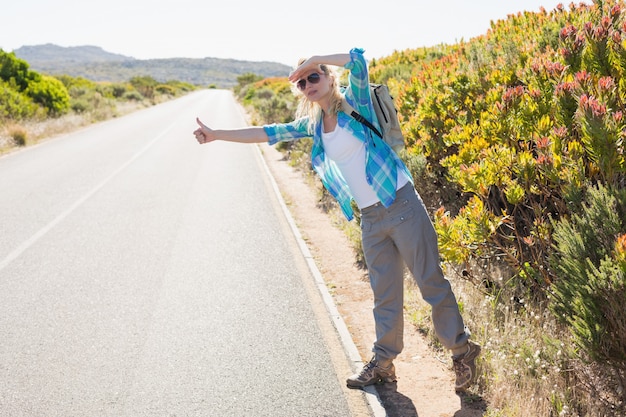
{"x": 357, "y": 116}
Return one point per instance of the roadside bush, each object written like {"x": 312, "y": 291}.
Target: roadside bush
{"x": 15, "y": 71}
{"x": 145, "y": 85}
{"x": 166, "y": 89}
{"x": 244, "y": 80}
{"x": 589, "y": 296}
{"x": 271, "y": 98}
{"x": 80, "y": 105}
{"x": 133, "y": 96}
{"x": 51, "y": 94}
{"x": 47, "y": 91}
{"x": 77, "y": 83}
{"x": 270, "y": 107}
{"x": 517, "y": 121}
{"x": 179, "y": 87}
{"x": 15, "y": 105}
{"x": 118, "y": 90}
{"x": 519, "y": 118}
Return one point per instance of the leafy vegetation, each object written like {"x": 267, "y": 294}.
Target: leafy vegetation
{"x": 28, "y": 97}
{"x": 590, "y": 256}
{"x": 26, "y": 93}
{"x": 526, "y": 124}
{"x": 516, "y": 141}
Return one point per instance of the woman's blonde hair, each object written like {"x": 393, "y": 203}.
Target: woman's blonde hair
{"x": 313, "y": 111}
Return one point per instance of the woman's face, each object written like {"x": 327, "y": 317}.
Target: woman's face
{"x": 315, "y": 86}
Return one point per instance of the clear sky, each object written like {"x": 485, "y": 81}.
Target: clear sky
{"x": 272, "y": 30}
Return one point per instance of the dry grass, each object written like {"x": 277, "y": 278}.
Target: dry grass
{"x": 14, "y": 135}
{"x": 524, "y": 369}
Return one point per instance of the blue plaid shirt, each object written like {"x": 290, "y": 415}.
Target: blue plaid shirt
{"x": 381, "y": 163}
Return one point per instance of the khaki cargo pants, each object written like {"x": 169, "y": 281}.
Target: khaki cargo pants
{"x": 392, "y": 237}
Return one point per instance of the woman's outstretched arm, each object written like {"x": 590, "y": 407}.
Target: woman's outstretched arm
{"x": 205, "y": 134}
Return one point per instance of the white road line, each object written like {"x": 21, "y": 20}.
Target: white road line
{"x": 44, "y": 230}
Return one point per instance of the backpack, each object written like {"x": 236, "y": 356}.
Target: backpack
{"x": 386, "y": 114}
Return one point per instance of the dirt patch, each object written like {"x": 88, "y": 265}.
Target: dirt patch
{"x": 425, "y": 386}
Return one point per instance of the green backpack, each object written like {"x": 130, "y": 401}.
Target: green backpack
{"x": 386, "y": 114}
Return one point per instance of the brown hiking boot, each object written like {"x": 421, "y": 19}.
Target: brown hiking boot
{"x": 465, "y": 366}
{"x": 372, "y": 373}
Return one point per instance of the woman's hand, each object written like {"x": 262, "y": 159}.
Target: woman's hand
{"x": 304, "y": 69}
{"x": 203, "y": 134}
{"x": 313, "y": 64}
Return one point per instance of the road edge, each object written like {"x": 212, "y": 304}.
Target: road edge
{"x": 349, "y": 347}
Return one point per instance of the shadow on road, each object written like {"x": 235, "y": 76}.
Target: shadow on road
{"x": 398, "y": 405}
{"x": 395, "y": 403}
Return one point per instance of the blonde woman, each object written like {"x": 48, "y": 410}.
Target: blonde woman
{"x": 355, "y": 164}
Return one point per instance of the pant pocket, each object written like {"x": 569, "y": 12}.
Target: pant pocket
{"x": 405, "y": 213}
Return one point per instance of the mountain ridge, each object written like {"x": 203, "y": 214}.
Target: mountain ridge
{"x": 96, "y": 64}
{"x": 50, "y": 52}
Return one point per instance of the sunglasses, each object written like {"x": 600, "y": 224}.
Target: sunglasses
{"x": 313, "y": 78}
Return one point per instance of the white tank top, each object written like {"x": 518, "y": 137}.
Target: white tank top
{"x": 348, "y": 153}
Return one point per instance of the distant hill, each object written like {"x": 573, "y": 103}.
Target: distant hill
{"x": 94, "y": 63}
{"x": 49, "y": 54}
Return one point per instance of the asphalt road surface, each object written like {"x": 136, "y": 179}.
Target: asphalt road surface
{"x": 142, "y": 274}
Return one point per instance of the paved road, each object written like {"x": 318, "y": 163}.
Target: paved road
{"x": 142, "y": 274}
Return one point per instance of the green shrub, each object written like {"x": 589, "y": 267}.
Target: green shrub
{"x": 118, "y": 90}
{"x": 80, "y": 105}
{"x": 244, "y": 80}
{"x": 15, "y": 105}
{"x": 51, "y": 94}
{"x": 274, "y": 110}
{"x": 271, "y": 98}
{"x": 511, "y": 119}
{"x": 589, "y": 295}
{"x": 15, "y": 71}
{"x": 166, "y": 89}
{"x": 146, "y": 85}
{"x": 77, "y": 83}
{"x": 133, "y": 96}
{"x": 180, "y": 86}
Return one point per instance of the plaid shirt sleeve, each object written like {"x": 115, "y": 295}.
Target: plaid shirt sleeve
{"x": 381, "y": 162}
{"x": 358, "y": 91}
{"x": 283, "y": 132}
